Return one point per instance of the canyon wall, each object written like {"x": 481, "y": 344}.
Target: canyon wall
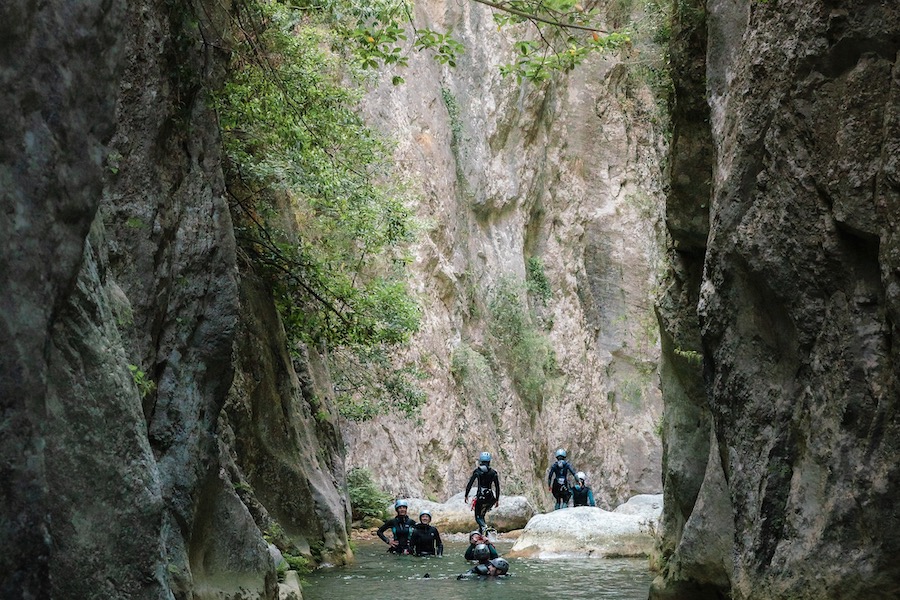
{"x": 564, "y": 175}
{"x": 132, "y": 467}
{"x": 796, "y": 308}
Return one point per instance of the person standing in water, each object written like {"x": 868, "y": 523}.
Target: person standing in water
{"x": 475, "y": 540}
{"x": 558, "y": 480}
{"x": 487, "y": 494}
{"x": 425, "y": 539}
{"x": 401, "y": 528}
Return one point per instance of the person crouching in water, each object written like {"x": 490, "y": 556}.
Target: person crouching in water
{"x": 487, "y": 494}
{"x": 425, "y": 539}
{"x": 582, "y": 495}
{"x": 496, "y": 567}
{"x": 475, "y": 540}
{"x": 401, "y": 529}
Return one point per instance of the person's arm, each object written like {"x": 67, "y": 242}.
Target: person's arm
{"x": 470, "y": 552}
{"x": 493, "y": 551}
{"x": 497, "y": 488}
{"x": 387, "y": 525}
{"x": 591, "y": 498}
{"x": 550, "y": 476}
{"x": 414, "y": 541}
{"x": 572, "y": 471}
{"x": 469, "y": 486}
{"x": 439, "y": 545}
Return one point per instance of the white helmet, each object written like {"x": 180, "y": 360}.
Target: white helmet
{"x": 580, "y": 476}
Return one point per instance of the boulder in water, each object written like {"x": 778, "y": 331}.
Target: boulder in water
{"x": 629, "y": 531}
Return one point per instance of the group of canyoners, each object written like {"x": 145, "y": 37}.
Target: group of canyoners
{"x": 423, "y": 539}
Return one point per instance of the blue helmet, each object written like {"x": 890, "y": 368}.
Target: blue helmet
{"x": 484, "y": 457}
{"x": 400, "y": 503}
{"x": 560, "y": 453}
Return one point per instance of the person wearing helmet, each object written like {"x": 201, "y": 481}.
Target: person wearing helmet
{"x": 496, "y": 567}
{"x": 401, "y": 529}
{"x": 476, "y": 540}
{"x": 582, "y": 495}
{"x": 558, "y": 480}
{"x": 487, "y": 494}
{"x": 425, "y": 539}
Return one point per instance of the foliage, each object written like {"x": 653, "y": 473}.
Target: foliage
{"x": 527, "y": 354}
{"x": 366, "y": 499}
{"x": 536, "y": 279}
{"x": 562, "y": 34}
{"x": 312, "y": 209}
{"x": 369, "y": 382}
{"x": 144, "y": 384}
{"x": 472, "y": 372}
{"x": 305, "y": 172}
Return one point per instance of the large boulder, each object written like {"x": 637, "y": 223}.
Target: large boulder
{"x": 456, "y": 516}
{"x": 629, "y": 531}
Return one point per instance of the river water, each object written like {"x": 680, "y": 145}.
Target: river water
{"x": 377, "y": 575}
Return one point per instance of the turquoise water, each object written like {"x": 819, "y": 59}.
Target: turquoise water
{"x": 377, "y": 575}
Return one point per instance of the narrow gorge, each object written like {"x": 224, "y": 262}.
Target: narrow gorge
{"x": 677, "y": 259}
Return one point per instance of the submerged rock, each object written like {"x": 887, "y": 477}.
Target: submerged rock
{"x": 629, "y": 531}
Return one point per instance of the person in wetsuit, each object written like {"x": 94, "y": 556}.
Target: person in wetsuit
{"x": 425, "y": 539}
{"x": 487, "y": 494}
{"x": 475, "y": 540}
{"x": 496, "y": 567}
{"x": 582, "y": 495}
{"x": 558, "y": 479}
{"x": 401, "y": 528}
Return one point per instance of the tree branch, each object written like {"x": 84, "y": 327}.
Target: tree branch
{"x": 531, "y": 17}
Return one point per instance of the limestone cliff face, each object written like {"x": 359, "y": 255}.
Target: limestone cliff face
{"x": 566, "y": 173}
{"x": 797, "y": 307}
{"x": 122, "y": 320}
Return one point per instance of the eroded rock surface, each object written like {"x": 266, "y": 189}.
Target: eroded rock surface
{"x": 798, "y": 306}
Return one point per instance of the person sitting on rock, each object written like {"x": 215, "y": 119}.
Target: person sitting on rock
{"x": 496, "y": 567}
{"x": 558, "y": 480}
{"x": 476, "y": 539}
{"x": 425, "y": 539}
{"x": 487, "y": 495}
{"x": 401, "y": 529}
{"x": 582, "y": 495}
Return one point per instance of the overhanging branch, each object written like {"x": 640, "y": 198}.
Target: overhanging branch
{"x": 525, "y": 15}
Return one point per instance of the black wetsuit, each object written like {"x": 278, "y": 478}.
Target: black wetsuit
{"x": 476, "y": 571}
{"x": 582, "y": 495}
{"x": 558, "y": 481}
{"x": 426, "y": 540}
{"x": 487, "y": 494}
{"x": 401, "y": 527}
{"x": 470, "y": 552}
{"x": 479, "y": 572}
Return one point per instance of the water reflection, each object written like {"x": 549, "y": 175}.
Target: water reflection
{"x": 377, "y": 575}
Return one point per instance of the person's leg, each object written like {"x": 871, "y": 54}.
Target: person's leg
{"x": 480, "y": 510}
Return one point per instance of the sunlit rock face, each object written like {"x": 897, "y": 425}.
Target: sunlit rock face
{"x": 567, "y": 172}
{"x": 798, "y": 304}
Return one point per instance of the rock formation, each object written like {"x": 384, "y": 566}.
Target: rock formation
{"x": 123, "y": 304}
{"x": 797, "y": 306}
{"x": 563, "y": 177}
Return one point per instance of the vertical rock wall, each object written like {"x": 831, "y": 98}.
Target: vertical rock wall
{"x": 122, "y": 306}
{"x": 58, "y": 104}
{"x": 797, "y": 307}
{"x": 567, "y": 172}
